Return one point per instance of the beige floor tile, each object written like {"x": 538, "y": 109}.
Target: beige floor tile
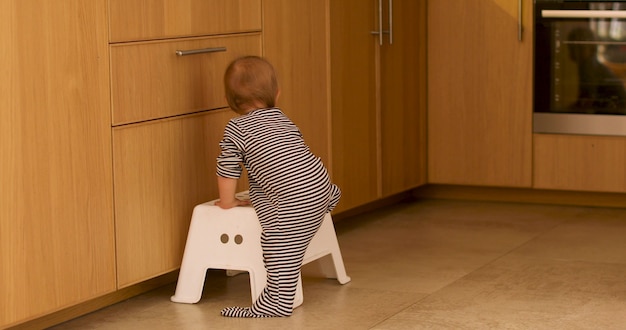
{"x": 417, "y": 249}
{"x": 524, "y": 293}
{"x": 596, "y": 235}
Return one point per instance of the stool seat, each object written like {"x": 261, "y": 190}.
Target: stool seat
{"x": 231, "y": 240}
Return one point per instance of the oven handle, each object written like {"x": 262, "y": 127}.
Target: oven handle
{"x": 583, "y": 13}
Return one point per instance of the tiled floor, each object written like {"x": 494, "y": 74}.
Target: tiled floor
{"x": 433, "y": 264}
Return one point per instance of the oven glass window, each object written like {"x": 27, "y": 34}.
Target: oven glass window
{"x": 580, "y": 62}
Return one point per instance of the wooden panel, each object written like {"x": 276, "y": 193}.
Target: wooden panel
{"x": 479, "y": 93}
{"x": 150, "y": 81}
{"x": 133, "y": 20}
{"x": 162, "y": 170}
{"x": 56, "y": 213}
{"x": 403, "y": 100}
{"x": 578, "y": 162}
{"x": 300, "y": 54}
{"x": 522, "y": 195}
{"x": 355, "y": 143}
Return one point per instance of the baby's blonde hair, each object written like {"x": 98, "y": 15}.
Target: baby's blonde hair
{"x": 249, "y": 82}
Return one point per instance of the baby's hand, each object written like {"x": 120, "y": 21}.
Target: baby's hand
{"x": 234, "y": 203}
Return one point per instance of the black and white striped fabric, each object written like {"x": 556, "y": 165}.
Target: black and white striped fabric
{"x": 290, "y": 191}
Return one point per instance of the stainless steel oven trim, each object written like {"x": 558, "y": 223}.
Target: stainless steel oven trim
{"x": 585, "y": 124}
{"x": 547, "y": 13}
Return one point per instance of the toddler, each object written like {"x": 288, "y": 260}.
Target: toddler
{"x": 290, "y": 189}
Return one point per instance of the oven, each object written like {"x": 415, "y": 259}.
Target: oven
{"x": 580, "y": 67}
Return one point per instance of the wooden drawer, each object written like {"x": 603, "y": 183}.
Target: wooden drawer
{"x": 580, "y": 162}
{"x": 150, "y": 81}
{"x": 134, "y": 20}
{"x": 162, "y": 169}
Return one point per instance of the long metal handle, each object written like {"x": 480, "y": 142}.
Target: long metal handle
{"x": 380, "y": 23}
{"x": 519, "y": 20}
{"x": 200, "y": 51}
{"x": 390, "y": 22}
{"x": 583, "y": 13}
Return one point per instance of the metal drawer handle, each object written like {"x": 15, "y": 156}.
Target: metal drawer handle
{"x": 200, "y": 51}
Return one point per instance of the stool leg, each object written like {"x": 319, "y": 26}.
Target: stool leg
{"x": 331, "y": 266}
{"x": 190, "y": 284}
{"x": 258, "y": 279}
{"x": 329, "y": 244}
{"x": 193, "y": 268}
{"x": 340, "y": 269}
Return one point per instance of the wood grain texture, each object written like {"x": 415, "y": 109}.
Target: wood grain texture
{"x": 355, "y": 126}
{"x": 162, "y": 170}
{"x": 479, "y": 93}
{"x": 579, "y": 163}
{"x": 378, "y": 99}
{"x": 163, "y": 19}
{"x": 149, "y": 81}
{"x": 295, "y": 41}
{"x": 56, "y": 209}
{"x": 403, "y": 100}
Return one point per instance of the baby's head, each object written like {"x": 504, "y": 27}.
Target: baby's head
{"x": 250, "y": 83}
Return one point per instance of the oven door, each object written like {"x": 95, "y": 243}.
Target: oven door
{"x": 580, "y": 67}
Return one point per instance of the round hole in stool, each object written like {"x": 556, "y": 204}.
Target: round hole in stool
{"x": 238, "y": 239}
{"x": 224, "y": 238}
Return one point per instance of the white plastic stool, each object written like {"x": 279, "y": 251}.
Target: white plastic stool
{"x": 231, "y": 239}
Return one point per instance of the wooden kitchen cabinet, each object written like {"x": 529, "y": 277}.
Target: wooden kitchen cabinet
{"x": 479, "y": 93}
{"x": 355, "y": 130}
{"x": 163, "y": 168}
{"x": 403, "y": 94}
{"x": 57, "y": 243}
{"x": 168, "y": 116}
{"x": 359, "y": 105}
{"x": 580, "y": 162}
{"x": 377, "y": 98}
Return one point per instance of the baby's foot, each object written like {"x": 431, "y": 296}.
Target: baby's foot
{"x": 240, "y": 312}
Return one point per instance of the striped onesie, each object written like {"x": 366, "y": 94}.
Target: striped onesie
{"x": 290, "y": 191}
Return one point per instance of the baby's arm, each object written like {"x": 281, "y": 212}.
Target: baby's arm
{"x": 227, "y": 188}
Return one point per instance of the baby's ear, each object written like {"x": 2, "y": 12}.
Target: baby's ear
{"x": 277, "y": 93}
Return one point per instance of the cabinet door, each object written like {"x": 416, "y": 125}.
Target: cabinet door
{"x": 479, "y": 93}
{"x": 403, "y": 97}
{"x": 355, "y": 142}
{"x": 580, "y": 162}
{"x": 378, "y": 92}
{"x": 56, "y": 207}
{"x": 162, "y": 170}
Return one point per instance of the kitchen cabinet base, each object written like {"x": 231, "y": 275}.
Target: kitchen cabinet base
{"x": 522, "y": 195}
{"x": 95, "y": 304}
